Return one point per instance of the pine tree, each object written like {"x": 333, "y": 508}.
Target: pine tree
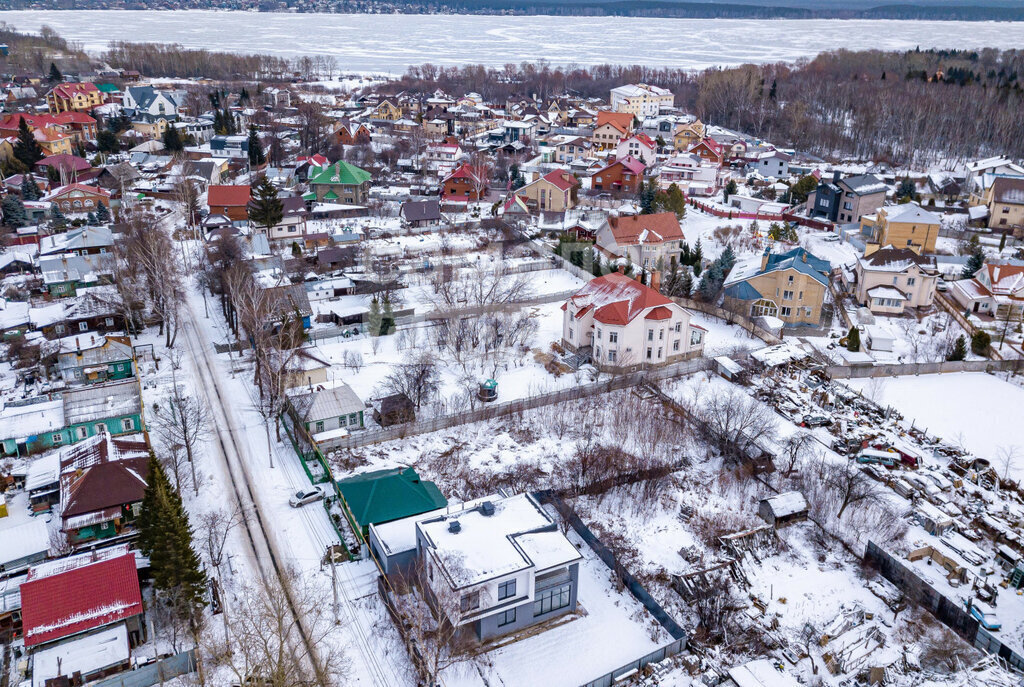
{"x": 152, "y": 516}
{"x": 256, "y": 154}
{"x": 106, "y": 141}
{"x": 387, "y": 321}
{"x": 172, "y": 139}
{"x": 90, "y": 219}
{"x": 374, "y": 318}
{"x": 711, "y": 282}
{"x": 648, "y": 197}
{"x": 675, "y": 201}
{"x": 853, "y": 340}
{"x": 55, "y": 75}
{"x": 772, "y": 92}
{"x": 57, "y": 218}
{"x": 730, "y": 189}
{"x": 27, "y": 149}
{"x": 974, "y": 263}
{"x": 595, "y": 266}
{"x": 30, "y": 190}
{"x": 102, "y": 214}
{"x": 697, "y": 257}
{"x": 727, "y": 259}
{"x": 14, "y": 211}
{"x": 959, "y": 351}
{"x": 266, "y": 209}
{"x": 1002, "y": 243}
{"x": 686, "y": 284}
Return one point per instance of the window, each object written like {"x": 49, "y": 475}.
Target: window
{"x": 695, "y": 337}
{"x": 910, "y": 281}
{"x": 613, "y": 337}
{"x": 649, "y": 351}
{"x": 598, "y": 334}
{"x": 342, "y": 421}
{"x": 597, "y": 353}
{"x": 659, "y": 352}
{"x": 59, "y": 329}
{"x": 83, "y": 326}
{"x": 319, "y": 426}
{"x": 506, "y": 590}
{"x": 785, "y": 311}
{"x": 661, "y": 334}
{"x": 650, "y": 335}
{"x": 127, "y": 424}
{"x": 675, "y": 345}
{"x": 507, "y": 618}
{"x": 801, "y": 296}
{"x": 791, "y": 279}
{"x": 82, "y": 432}
{"x": 109, "y": 321}
{"x": 762, "y": 308}
{"x": 611, "y": 356}
{"x": 570, "y": 334}
{"x": 470, "y": 602}
{"x": 787, "y": 295}
{"x": 552, "y": 599}
{"x": 57, "y": 438}
{"x": 679, "y": 327}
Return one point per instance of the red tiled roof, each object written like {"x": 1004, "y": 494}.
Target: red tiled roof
{"x": 619, "y": 299}
{"x": 228, "y": 196}
{"x": 83, "y": 598}
{"x": 68, "y": 90}
{"x": 656, "y": 228}
{"x": 620, "y": 120}
{"x": 65, "y": 161}
{"x": 659, "y": 313}
{"x": 562, "y": 179}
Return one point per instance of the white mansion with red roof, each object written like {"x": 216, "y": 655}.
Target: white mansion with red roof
{"x": 627, "y": 324}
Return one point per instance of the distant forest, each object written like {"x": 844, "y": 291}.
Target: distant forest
{"x": 993, "y": 10}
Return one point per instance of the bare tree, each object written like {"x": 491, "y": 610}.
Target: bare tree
{"x": 847, "y": 484}
{"x": 417, "y": 378}
{"x": 794, "y": 449}
{"x": 213, "y": 529}
{"x": 735, "y": 423}
{"x": 1006, "y": 458}
{"x": 183, "y": 421}
{"x": 186, "y": 192}
{"x": 267, "y": 645}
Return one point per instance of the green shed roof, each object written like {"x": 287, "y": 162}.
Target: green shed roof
{"x": 107, "y": 88}
{"x": 341, "y": 172}
{"x": 386, "y": 495}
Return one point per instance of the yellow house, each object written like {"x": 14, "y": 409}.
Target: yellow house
{"x": 790, "y": 286}
{"x": 153, "y": 129}
{"x": 552, "y": 192}
{"x": 1005, "y": 201}
{"x": 387, "y": 111}
{"x": 6, "y": 148}
{"x": 54, "y": 142}
{"x": 903, "y": 226}
{"x": 686, "y": 135}
{"x": 79, "y": 97}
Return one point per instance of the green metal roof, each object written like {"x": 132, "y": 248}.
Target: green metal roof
{"x": 386, "y": 495}
{"x": 343, "y": 173}
{"x": 309, "y": 196}
{"x": 107, "y": 88}
{"x": 330, "y": 195}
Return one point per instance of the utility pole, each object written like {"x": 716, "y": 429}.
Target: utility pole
{"x": 334, "y": 585}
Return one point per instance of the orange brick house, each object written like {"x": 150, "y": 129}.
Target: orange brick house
{"x": 467, "y": 183}
{"x": 623, "y": 175}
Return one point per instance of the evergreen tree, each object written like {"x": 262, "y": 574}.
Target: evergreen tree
{"x": 106, "y": 141}
{"x": 172, "y": 140}
{"x": 91, "y": 220}
{"x": 387, "y": 320}
{"x": 727, "y": 259}
{"x": 697, "y": 257}
{"x": 772, "y": 92}
{"x": 152, "y": 516}
{"x": 685, "y": 257}
{"x": 648, "y": 197}
{"x": 57, "y": 218}
{"x": 799, "y": 191}
{"x": 980, "y": 341}
{"x": 243, "y": 96}
{"x": 266, "y": 209}
{"x": 296, "y": 250}
{"x": 674, "y": 200}
{"x": 853, "y": 340}
{"x": 730, "y": 189}
{"x": 374, "y": 319}
{"x": 595, "y": 266}
{"x": 959, "y": 351}
{"x": 55, "y": 75}
{"x": 14, "y": 211}
{"x": 102, "y": 214}
{"x": 1002, "y": 243}
{"x": 30, "y": 190}
{"x": 256, "y": 154}
{"x": 27, "y": 149}
{"x": 686, "y": 284}
{"x": 975, "y": 262}
{"x": 906, "y": 189}
{"x": 711, "y": 282}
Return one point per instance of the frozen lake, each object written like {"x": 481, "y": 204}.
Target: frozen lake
{"x": 391, "y": 42}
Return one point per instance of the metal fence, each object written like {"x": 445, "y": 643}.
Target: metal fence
{"x": 154, "y": 673}
{"x": 608, "y": 679}
{"x": 896, "y": 370}
{"x": 496, "y": 410}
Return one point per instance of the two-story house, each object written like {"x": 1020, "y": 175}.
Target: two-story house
{"x": 467, "y": 183}
{"x": 624, "y": 175}
{"x": 997, "y": 290}
{"x": 773, "y": 163}
{"x": 688, "y": 134}
{"x": 1005, "y": 201}
{"x": 146, "y": 100}
{"x": 341, "y": 182}
{"x": 639, "y": 146}
{"x": 552, "y": 192}
{"x": 231, "y": 202}
{"x": 691, "y": 174}
{"x": 907, "y": 225}
{"x": 622, "y": 324}
{"x": 790, "y": 286}
{"x": 611, "y": 128}
{"x": 889, "y": 280}
{"x": 648, "y": 241}
{"x": 847, "y": 200}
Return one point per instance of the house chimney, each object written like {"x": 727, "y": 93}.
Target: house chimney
{"x": 78, "y": 347}
{"x": 803, "y": 256}
{"x": 764, "y": 258}
{"x": 655, "y": 280}
{"x": 836, "y": 175}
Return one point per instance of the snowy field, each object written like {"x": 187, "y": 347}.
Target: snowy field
{"x": 370, "y": 43}
{"x": 978, "y": 410}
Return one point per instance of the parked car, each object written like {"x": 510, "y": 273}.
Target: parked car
{"x": 983, "y": 612}
{"x": 817, "y": 420}
{"x": 304, "y": 496}
{"x": 941, "y": 285}
{"x": 876, "y": 457}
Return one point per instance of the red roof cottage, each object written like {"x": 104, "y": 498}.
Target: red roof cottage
{"x": 625, "y": 174}
{"x": 467, "y": 183}
{"x": 230, "y": 201}
{"x": 709, "y": 150}
{"x": 71, "y": 596}
{"x": 78, "y": 198}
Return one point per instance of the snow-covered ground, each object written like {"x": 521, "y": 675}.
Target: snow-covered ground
{"x": 496, "y": 40}
{"x": 979, "y": 411}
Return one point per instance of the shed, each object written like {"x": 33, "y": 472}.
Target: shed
{"x": 933, "y": 520}
{"x": 394, "y": 410}
{"x": 386, "y": 495}
{"x": 781, "y": 509}
{"x": 879, "y": 338}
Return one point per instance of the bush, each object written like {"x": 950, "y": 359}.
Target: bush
{"x": 853, "y": 340}
{"x": 980, "y": 341}
{"x": 959, "y": 351}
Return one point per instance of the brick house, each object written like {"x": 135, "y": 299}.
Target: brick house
{"x": 230, "y": 201}
{"x": 623, "y": 175}
{"x": 467, "y": 183}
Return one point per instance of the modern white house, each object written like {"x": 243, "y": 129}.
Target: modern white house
{"x": 891, "y": 279}
{"x": 691, "y": 174}
{"x": 623, "y": 324}
{"x": 640, "y": 99}
{"x": 146, "y": 100}
{"x": 498, "y": 565}
{"x": 640, "y": 146}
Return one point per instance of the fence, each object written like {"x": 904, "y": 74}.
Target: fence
{"x": 784, "y": 216}
{"x": 496, "y": 410}
{"x": 947, "y": 304}
{"x": 897, "y": 370}
{"x": 637, "y": 590}
{"x": 950, "y": 612}
{"x": 729, "y": 317}
{"x": 154, "y": 673}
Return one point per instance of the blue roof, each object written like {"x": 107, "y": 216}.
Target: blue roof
{"x": 743, "y": 291}
{"x": 800, "y": 260}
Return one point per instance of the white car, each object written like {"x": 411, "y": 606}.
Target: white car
{"x": 304, "y": 496}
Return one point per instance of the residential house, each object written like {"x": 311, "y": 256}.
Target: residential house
{"x": 99, "y": 360}
{"x": 341, "y": 182}
{"x": 151, "y": 127}
{"x": 624, "y": 175}
{"x": 277, "y": 97}
{"x": 85, "y": 240}
{"x": 235, "y": 147}
{"x": 641, "y": 100}
{"x": 64, "y": 166}
{"x": 328, "y": 411}
{"x": 790, "y": 286}
{"x": 102, "y": 482}
{"x": 570, "y": 148}
{"x": 381, "y": 496}
{"x": 424, "y": 213}
{"x": 1005, "y": 201}
{"x": 996, "y": 290}
{"x": 691, "y": 174}
{"x": 95, "y": 312}
{"x": 387, "y": 111}
{"x": 709, "y": 150}
{"x": 687, "y": 135}
{"x": 889, "y": 280}
{"x": 73, "y": 596}
{"x": 292, "y": 226}
{"x": 907, "y": 225}
{"x": 231, "y": 202}
{"x": 63, "y": 275}
{"x": 981, "y": 173}
{"x": 114, "y": 407}
{"x": 648, "y": 241}
{"x": 394, "y": 410}
{"x": 78, "y": 198}
{"x": 611, "y": 128}
{"x": 146, "y": 100}
{"x": 639, "y": 146}
{"x": 80, "y": 97}
{"x": 350, "y": 133}
{"x": 623, "y": 324}
{"x": 441, "y": 158}
{"x": 497, "y": 566}
{"x": 466, "y": 184}
{"x": 552, "y": 192}
{"x": 847, "y": 200}
{"x": 773, "y": 163}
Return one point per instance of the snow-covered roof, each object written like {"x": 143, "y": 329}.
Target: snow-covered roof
{"x": 787, "y": 503}
{"x": 910, "y": 212}
{"x": 761, "y": 673}
{"x": 86, "y": 655}
{"x": 887, "y": 292}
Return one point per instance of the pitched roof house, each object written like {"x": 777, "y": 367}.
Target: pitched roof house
{"x": 549, "y": 193}
{"x": 891, "y": 279}
{"x": 229, "y": 201}
{"x": 623, "y": 324}
{"x": 467, "y": 183}
{"x": 790, "y": 286}
{"x": 997, "y": 289}
{"x": 648, "y": 241}
{"x": 623, "y": 175}
{"x": 341, "y": 182}
{"x": 611, "y": 127}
